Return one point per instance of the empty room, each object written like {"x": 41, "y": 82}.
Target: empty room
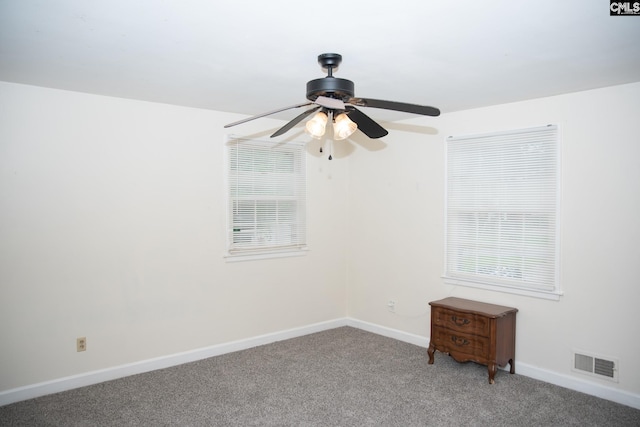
{"x": 368, "y": 213}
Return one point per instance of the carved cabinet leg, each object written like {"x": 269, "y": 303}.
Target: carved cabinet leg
{"x": 492, "y": 372}
{"x": 430, "y": 352}
{"x": 512, "y": 363}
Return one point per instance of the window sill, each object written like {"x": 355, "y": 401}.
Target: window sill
{"x": 550, "y": 295}
{"x": 264, "y": 255}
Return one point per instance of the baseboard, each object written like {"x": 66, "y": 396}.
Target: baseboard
{"x": 418, "y": 340}
{"x": 89, "y": 378}
{"x": 95, "y": 377}
{"x": 578, "y": 384}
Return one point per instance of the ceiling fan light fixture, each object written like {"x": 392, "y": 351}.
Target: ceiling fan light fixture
{"x": 343, "y": 127}
{"x": 335, "y": 99}
{"x": 317, "y": 125}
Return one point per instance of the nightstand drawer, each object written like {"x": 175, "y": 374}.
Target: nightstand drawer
{"x": 449, "y": 341}
{"x": 462, "y": 322}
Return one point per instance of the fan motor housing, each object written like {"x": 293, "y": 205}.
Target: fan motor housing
{"x": 330, "y": 87}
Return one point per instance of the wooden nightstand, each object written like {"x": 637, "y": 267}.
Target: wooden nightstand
{"x": 474, "y": 331}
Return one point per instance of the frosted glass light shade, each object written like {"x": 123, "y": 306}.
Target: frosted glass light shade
{"x": 317, "y": 125}
{"x": 343, "y": 127}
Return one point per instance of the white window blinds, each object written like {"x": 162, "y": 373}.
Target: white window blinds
{"x": 266, "y": 196}
{"x": 501, "y": 209}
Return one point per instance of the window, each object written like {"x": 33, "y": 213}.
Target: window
{"x": 266, "y": 198}
{"x": 502, "y": 211}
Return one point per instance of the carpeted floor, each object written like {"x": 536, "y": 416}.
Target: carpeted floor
{"x": 340, "y": 377}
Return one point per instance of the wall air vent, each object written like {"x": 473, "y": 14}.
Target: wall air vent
{"x": 596, "y": 366}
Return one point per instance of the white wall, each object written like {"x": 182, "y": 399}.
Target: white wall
{"x": 112, "y": 227}
{"x": 396, "y": 213}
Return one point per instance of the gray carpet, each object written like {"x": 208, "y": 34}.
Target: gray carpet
{"x": 340, "y": 377}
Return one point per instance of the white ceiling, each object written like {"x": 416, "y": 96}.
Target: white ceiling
{"x": 250, "y": 57}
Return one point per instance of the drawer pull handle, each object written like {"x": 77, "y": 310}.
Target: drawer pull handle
{"x": 460, "y": 322}
{"x": 459, "y": 341}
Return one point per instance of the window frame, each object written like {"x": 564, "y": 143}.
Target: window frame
{"x": 516, "y": 284}
{"x": 298, "y": 182}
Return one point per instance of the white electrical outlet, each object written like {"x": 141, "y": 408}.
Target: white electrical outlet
{"x": 391, "y": 305}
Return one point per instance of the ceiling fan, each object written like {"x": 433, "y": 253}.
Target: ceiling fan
{"x": 333, "y": 100}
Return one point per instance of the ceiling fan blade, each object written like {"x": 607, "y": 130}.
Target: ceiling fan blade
{"x": 295, "y": 121}
{"x": 330, "y": 103}
{"x": 397, "y": 106}
{"x": 267, "y": 114}
{"x": 366, "y": 123}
